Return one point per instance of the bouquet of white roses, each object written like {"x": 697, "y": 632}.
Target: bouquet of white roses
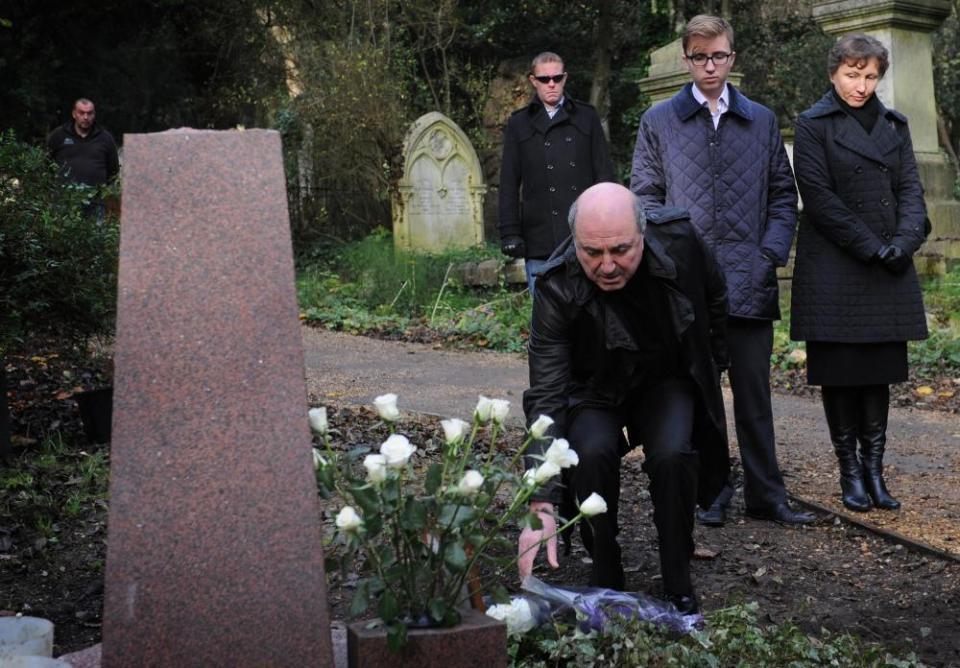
{"x": 421, "y": 528}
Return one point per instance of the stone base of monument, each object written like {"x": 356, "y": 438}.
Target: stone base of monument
{"x": 477, "y": 641}
{"x": 490, "y": 273}
{"x": 91, "y": 656}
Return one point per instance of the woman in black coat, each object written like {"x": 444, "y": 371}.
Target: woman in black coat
{"x": 856, "y": 299}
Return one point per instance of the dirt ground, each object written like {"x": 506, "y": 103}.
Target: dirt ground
{"x": 832, "y": 575}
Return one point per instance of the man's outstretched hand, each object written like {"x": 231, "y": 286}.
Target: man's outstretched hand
{"x": 530, "y": 539}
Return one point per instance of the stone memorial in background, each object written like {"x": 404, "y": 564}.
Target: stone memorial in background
{"x": 905, "y": 27}
{"x": 214, "y": 548}
{"x": 439, "y": 200}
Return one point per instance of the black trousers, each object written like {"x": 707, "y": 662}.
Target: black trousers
{"x": 750, "y": 343}
{"x": 663, "y": 416}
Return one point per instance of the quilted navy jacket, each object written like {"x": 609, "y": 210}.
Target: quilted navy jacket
{"x": 735, "y": 181}
{"x": 860, "y": 192}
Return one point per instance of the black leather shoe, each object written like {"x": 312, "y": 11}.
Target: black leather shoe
{"x": 714, "y": 516}
{"x": 685, "y": 605}
{"x": 781, "y": 513}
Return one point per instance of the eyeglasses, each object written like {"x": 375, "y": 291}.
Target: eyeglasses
{"x": 718, "y": 58}
{"x": 556, "y": 78}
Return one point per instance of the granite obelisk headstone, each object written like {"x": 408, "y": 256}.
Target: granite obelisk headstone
{"x": 214, "y": 555}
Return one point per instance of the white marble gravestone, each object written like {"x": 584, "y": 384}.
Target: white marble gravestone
{"x": 439, "y": 201}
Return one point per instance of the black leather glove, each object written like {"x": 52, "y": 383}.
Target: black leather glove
{"x": 894, "y": 259}
{"x": 512, "y": 246}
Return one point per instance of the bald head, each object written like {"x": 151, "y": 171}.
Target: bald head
{"x": 607, "y": 224}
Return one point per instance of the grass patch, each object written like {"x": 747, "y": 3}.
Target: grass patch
{"x": 369, "y": 287}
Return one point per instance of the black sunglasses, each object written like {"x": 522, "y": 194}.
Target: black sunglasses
{"x": 556, "y": 78}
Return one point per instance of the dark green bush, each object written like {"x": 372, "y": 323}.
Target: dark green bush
{"x": 58, "y": 260}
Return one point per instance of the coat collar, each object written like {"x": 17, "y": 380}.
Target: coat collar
{"x": 850, "y": 134}
{"x": 686, "y": 106}
{"x": 569, "y": 110}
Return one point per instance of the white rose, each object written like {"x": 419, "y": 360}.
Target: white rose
{"x": 386, "y": 405}
{"x": 545, "y": 471}
{"x": 530, "y": 477}
{"x": 594, "y": 505}
{"x": 348, "y": 520}
{"x": 454, "y": 430}
{"x": 517, "y": 615}
{"x": 318, "y": 459}
{"x": 560, "y": 454}
{"x": 318, "y": 420}
{"x": 397, "y": 450}
{"x": 484, "y": 409}
{"x": 376, "y": 466}
{"x": 539, "y": 428}
{"x": 470, "y": 483}
{"x": 499, "y": 409}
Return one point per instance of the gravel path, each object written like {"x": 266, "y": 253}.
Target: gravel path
{"x": 923, "y": 461}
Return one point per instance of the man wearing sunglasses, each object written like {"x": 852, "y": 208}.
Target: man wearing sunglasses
{"x": 719, "y": 155}
{"x": 553, "y": 150}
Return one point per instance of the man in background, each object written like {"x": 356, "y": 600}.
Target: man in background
{"x": 553, "y": 149}
{"x": 86, "y": 152}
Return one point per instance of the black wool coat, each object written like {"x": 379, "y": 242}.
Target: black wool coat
{"x": 547, "y": 162}
{"x": 574, "y": 341}
{"x": 860, "y": 192}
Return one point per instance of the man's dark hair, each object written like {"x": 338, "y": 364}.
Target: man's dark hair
{"x": 856, "y": 50}
{"x": 639, "y": 215}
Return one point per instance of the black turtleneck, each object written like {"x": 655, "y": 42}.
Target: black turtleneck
{"x": 866, "y": 115}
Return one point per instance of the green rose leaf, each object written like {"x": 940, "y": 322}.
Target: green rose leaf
{"x": 453, "y": 516}
{"x": 438, "y": 609}
{"x": 389, "y": 607}
{"x": 396, "y": 637}
{"x": 531, "y": 520}
{"x": 434, "y": 478}
{"x": 414, "y": 515}
{"x": 361, "y": 598}
{"x": 366, "y": 498}
{"x": 455, "y": 557}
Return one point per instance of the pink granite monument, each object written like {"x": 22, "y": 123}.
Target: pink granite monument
{"x": 214, "y": 555}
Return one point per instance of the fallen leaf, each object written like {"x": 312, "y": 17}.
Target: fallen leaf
{"x": 705, "y": 553}
{"x": 924, "y": 390}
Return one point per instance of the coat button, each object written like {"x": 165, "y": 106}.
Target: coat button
{"x": 573, "y": 164}
{"x": 573, "y": 188}
{"x": 884, "y": 202}
{"x": 547, "y": 143}
{"x": 885, "y": 234}
{"x": 858, "y": 169}
{"x": 549, "y": 166}
{"x": 552, "y": 189}
{"x": 555, "y": 212}
{"x": 568, "y": 138}
{"x": 883, "y": 168}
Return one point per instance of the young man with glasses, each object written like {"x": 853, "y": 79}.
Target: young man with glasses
{"x": 719, "y": 155}
{"x": 553, "y": 150}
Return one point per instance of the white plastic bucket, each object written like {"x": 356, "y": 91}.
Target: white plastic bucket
{"x": 25, "y": 636}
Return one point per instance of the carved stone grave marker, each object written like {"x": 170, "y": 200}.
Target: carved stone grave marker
{"x": 214, "y": 555}
{"x": 439, "y": 204}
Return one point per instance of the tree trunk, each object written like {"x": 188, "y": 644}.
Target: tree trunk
{"x": 5, "y": 447}
{"x": 602, "y": 56}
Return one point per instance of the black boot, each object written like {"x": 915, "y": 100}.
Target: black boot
{"x": 841, "y": 406}
{"x": 874, "y": 406}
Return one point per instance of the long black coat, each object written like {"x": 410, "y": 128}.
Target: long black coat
{"x": 574, "y": 340}
{"x": 860, "y": 192}
{"x": 553, "y": 161}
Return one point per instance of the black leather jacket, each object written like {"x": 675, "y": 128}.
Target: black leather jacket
{"x": 573, "y": 340}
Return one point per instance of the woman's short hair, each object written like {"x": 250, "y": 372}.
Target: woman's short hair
{"x": 856, "y": 50}
{"x": 707, "y": 27}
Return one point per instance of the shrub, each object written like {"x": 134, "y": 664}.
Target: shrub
{"x": 58, "y": 263}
